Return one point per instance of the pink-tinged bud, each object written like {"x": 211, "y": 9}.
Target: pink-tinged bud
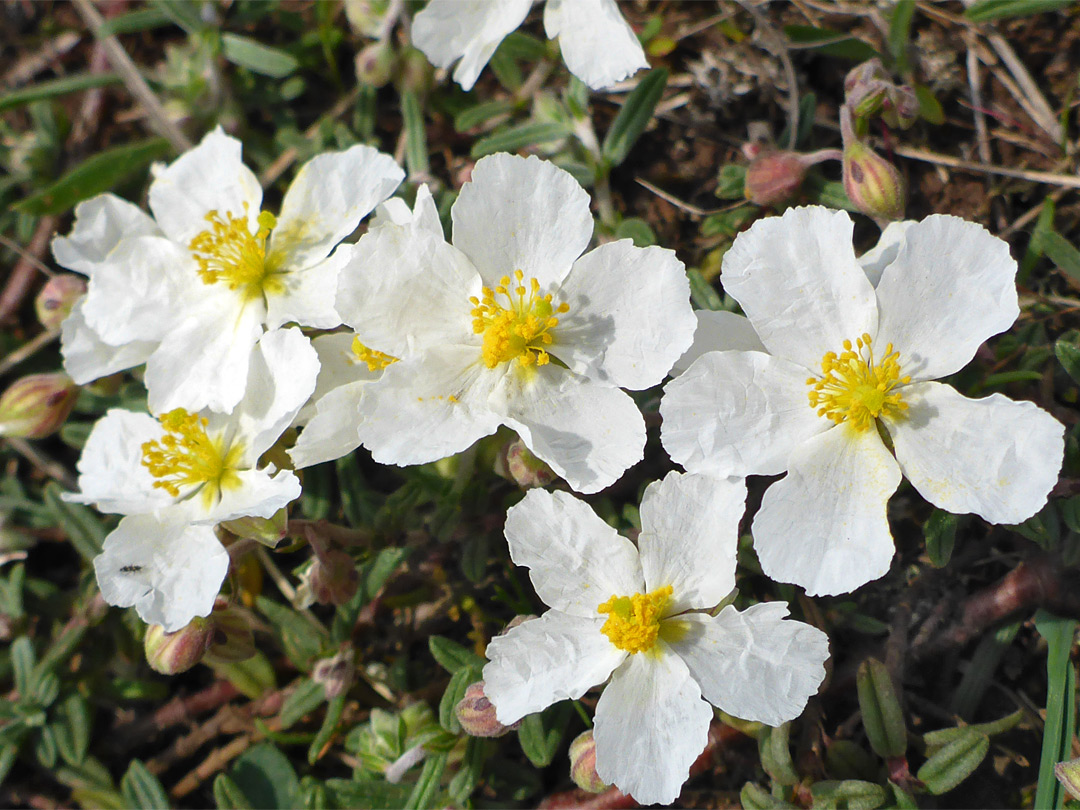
{"x": 375, "y": 64}
{"x": 869, "y": 91}
{"x": 872, "y": 183}
{"x": 53, "y": 304}
{"x": 583, "y": 763}
{"x": 477, "y": 715}
{"x": 268, "y": 531}
{"x": 901, "y": 108}
{"x": 862, "y": 76}
{"x": 333, "y": 577}
{"x": 37, "y": 405}
{"x": 774, "y": 177}
{"x": 231, "y": 638}
{"x": 1068, "y": 773}
{"x": 336, "y": 673}
{"x": 172, "y": 653}
{"x": 516, "y": 463}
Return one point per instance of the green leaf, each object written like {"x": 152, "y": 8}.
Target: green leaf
{"x": 755, "y": 797}
{"x": 348, "y": 793}
{"x": 1034, "y": 251}
{"x": 776, "y": 755}
{"x": 881, "y": 714}
{"x": 253, "y": 677}
{"x": 940, "y": 534}
{"x": 731, "y": 182}
{"x": 634, "y": 116}
{"x": 45, "y": 748}
{"x": 304, "y": 699}
{"x": 22, "y": 664}
{"x": 1060, "y": 705}
{"x": 852, "y": 794}
{"x": 830, "y": 42}
{"x": 426, "y": 791}
{"x": 702, "y": 293}
{"x": 257, "y": 57}
{"x": 955, "y": 762}
{"x": 80, "y": 524}
{"x": 353, "y": 489}
{"x": 452, "y": 655}
{"x": 520, "y": 45}
{"x": 8, "y": 754}
{"x": 636, "y": 229}
{"x": 929, "y": 107}
{"x": 900, "y": 32}
{"x": 141, "y": 789}
{"x": 989, "y": 10}
{"x": 266, "y": 777}
{"x": 475, "y": 116}
{"x": 71, "y": 728}
{"x": 518, "y": 137}
{"x": 142, "y": 19}
{"x": 182, "y": 12}
{"x": 329, "y": 725}
{"x": 980, "y": 672}
{"x": 477, "y": 752}
{"x": 540, "y": 734}
{"x": 56, "y": 87}
{"x": 455, "y": 691}
{"x": 936, "y": 740}
{"x": 1068, "y": 354}
{"x": 416, "y": 152}
{"x": 228, "y": 796}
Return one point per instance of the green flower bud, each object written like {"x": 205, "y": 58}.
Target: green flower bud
{"x": 375, "y": 64}
{"x": 37, "y": 405}
{"x": 872, "y": 183}
{"x": 1068, "y": 773}
{"x": 172, "y": 653}
{"x": 231, "y": 639}
{"x": 53, "y": 304}
{"x": 477, "y": 715}
{"x": 268, "y": 531}
{"x": 583, "y": 763}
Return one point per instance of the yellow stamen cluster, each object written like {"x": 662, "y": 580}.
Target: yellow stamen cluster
{"x": 375, "y": 360}
{"x": 185, "y": 456}
{"x": 228, "y": 252}
{"x": 856, "y": 388}
{"x": 633, "y": 622}
{"x": 523, "y": 329}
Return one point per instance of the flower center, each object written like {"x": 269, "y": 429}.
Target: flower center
{"x": 633, "y": 622}
{"x": 375, "y": 360}
{"x": 856, "y": 388}
{"x": 228, "y": 252}
{"x": 186, "y": 456}
{"x": 522, "y": 329}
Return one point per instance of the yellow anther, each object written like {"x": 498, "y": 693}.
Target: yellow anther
{"x": 633, "y": 622}
{"x": 522, "y": 328}
{"x": 228, "y": 252}
{"x": 375, "y": 360}
{"x": 856, "y": 388}
{"x": 185, "y": 456}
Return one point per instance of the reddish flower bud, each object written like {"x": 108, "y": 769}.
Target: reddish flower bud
{"x": 53, "y": 304}
{"x": 336, "y": 673}
{"x": 583, "y": 763}
{"x": 37, "y": 405}
{"x": 872, "y": 183}
{"x": 774, "y": 176}
{"x": 477, "y": 715}
{"x": 516, "y": 463}
{"x": 172, "y": 653}
{"x": 333, "y": 577}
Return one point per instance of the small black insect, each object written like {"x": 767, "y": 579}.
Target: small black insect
{"x": 131, "y": 569}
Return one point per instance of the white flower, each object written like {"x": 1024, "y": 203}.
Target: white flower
{"x": 844, "y": 357}
{"x": 630, "y": 613}
{"x": 508, "y": 326}
{"x": 201, "y": 282}
{"x": 598, "y": 45}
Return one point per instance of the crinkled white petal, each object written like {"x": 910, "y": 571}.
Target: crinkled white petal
{"x": 690, "y": 536}
{"x": 881, "y": 255}
{"x": 87, "y": 357}
{"x": 331, "y": 193}
{"x": 650, "y": 726}
{"x": 719, "y": 332}
{"x": 171, "y": 572}
{"x": 576, "y": 561}
{"x": 428, "y": 407}
{"x": 737, "y": 413}
{"x": 588, "y": 433}
{"x": 210, "y": 177}
{"x": 598, "y": 45}
{"x": 306, "y": 297}
{"x": 545, "y": 660}
{"x": 405, "y": 290}
{"x": 951, "y": 286}
{"x": 111, "y": 473}
{"x": 753, "y": 664}
{"x": 338, "y": 366}
{"x": 203, "y": 362}
{"x": 522, "y": 214}
{"x": 423, "y": 216}
{"x": 253, "y": 493}
{"x": 798, "y": 282}
{"x": 470, "y": 30}
{"x": 100, "y": 223}
{"x": 824, "y": 526}
{"x": 995, "y": 457}
{"x": 630, "y": 316}
{"x": 332, "y": 431}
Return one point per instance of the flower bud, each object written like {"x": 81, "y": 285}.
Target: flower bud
{"x": 37, "y": 405}
{"x": 53, "y": 304}
{"x": 374, "y": 64}
{"x": 333, "y": 577}
{"x": 583, "y": 763}
{"x": 268, "y": 531}
{"x": 901, "y": 107}
{"x": 231, "y": 639}
{"x": 336, "y": 673}
{"x": 1068, "y": 773}
{"x": 774, "y": 176}
{"x": 516, "y": 463}
{"x": 477, "y": 716}
{"x": 414, "y": 71}
{"x": 172, "y": 653}
{"x": 872, "y": 183}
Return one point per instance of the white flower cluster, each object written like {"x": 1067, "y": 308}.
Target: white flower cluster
{"x": 438, "y": 343}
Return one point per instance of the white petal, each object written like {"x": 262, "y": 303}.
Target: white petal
{"x": 824, "y": 526}
{"x": 719, "y": 332}
{"x": 306, "y": 296}
{"x": 588, "y": 433}
{"x": 210, "y": 177}
{"x": 685, "y": 520}
{"x": 576, "y": 561}
{"x": 170, "y": 572}
{"x": 522, "y": 214}
{"x": 338, "y": 366}
{"x": 100, "y": 223}
{"x": 881, "y": 255}
{"x": 405, "y": 290}
{"x": 754, "y": 664}
{"x": 467, "y": 29}
{"x": 737, "y": 413}
{"x": 331, "y": 193}
{"x": 255, "y": 493}
{"x": 203, "y": 362}
{"x": 651, "y": 724}
{"x": 798, "y": 282}
{"x": 111, "y": 473}
{"x": 598, "y": 45}
{"x": 630, "y": 316}
{"x": 424, "y": 215}
{"x": 429, "y": 407}
{"x": 951, "y": 286}
{"x": 994, "y": 457}
{"x": 545, "y": 660}
{"x": 332, "y": 432}
{"x": 87, "y": 357}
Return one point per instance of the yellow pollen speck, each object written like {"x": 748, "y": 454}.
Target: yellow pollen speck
{"x": 523, "y": 329}
{"x": 185, "y": 456}
{"x": 376, "y": 361}
{"x": 633, "y": 622}
{"x": 228, "y": 252}
{"x": 856, "y": 388}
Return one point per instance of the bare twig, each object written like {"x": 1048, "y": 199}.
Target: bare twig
{"x": 28, "y": 349}
{"x": 682, "y": 204}
{"x": 1050, "y": 178}
{"x": 23, "y": 274}
{"x": 42, "y": 462}
{"x": 288, "y": 157}
{"x": 977, "y": 105}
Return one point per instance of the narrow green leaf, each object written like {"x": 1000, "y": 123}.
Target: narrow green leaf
{"x": 520, "y": 45}
{"x": 755, "y": 797}
{"x": 1062, "y": 253}
{"x": 955, "y": 762}
{"x": 936, "y": 740}
{"x": 253, "y": 677}
{"x": 452, "y": 655}
{"x": 541, "y": 734}
{"x": 56, "y": 87}
{"x": 990, "y": 10}
{"x": 427, "y": 786}
{"x": 518, "y": 137}
{"x": 329, "y": 725}
{"x": 416, "y": 153}
{"x": 22, "y": 664}
{"x": 830, "y": 42}
{"x": 1034, "y": 251}
{"x": 228, "y": 796}
{"x": 477, "y": 752}
{"x": 72, "y": 728}
{"x": 731, "y": 182}
{"x": 8, "y": 754}
{"x": 455, "y": 691}
{"x": 702, "y": 293}
{"x": 45, "y": 748}
{"x": 258, "y": 58}
{"x": 634, "y": 116}
{"x": 775, "y": 755}
{"x": 304, "y": 699}
{"x": 1068, "y": 354}
{"x": 142, "y": 19}
{"x": 980, "y": 672}
{"x": 182, "y": 12}
{"x": 266, "y": 777}
{"x": 506, "y": 70}
{"x": 852, "y": 794}
{"x": 481, "y": 113}
{"x": 900, "y": 32}
{"x": 881, "y": 714}
{"x": 929, "y": 107}
{"x": 940, "y": 534}
{"x": 141, "y": 789}
{"x": 1060, "y": 705}
{"x": 366, "y": 793}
